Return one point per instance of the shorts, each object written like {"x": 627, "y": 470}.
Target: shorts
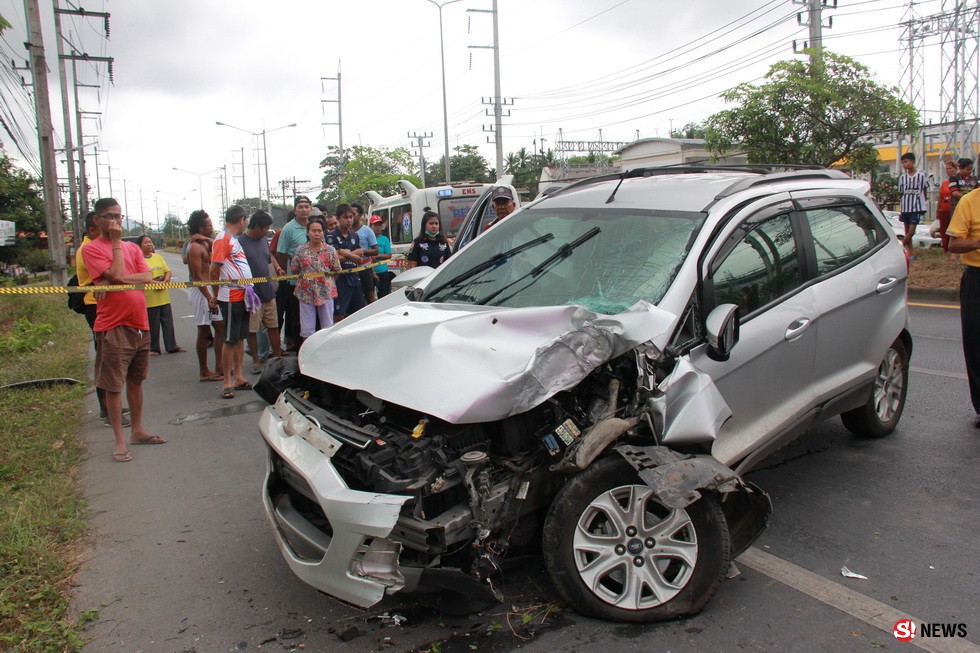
{"x": 202, "y": 313}
{"x": 236, "y": 321}
{"x": 910, "y": 218}
{"x": 122, "y": 354}
{"x": 265, "y": 315}
{"x": 349, "y": 299}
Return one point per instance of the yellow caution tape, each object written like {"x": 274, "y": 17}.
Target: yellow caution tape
{"x": 172, "y": 285}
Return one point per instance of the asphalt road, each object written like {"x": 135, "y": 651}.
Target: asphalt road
{"x": 182, "y": 559}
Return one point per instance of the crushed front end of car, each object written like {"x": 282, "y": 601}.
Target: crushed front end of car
{"x": 426, "y": 472}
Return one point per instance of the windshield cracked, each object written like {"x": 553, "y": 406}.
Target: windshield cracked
{"x": 604, "y": 260}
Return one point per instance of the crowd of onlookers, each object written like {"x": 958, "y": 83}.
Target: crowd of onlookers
{"x": 339, "y": 257}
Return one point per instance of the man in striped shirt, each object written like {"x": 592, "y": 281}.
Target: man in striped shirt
{"x": 912, "y": 185}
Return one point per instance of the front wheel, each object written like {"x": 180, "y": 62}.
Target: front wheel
{"x": 881, "y": 414}
{"x": 615, "y": 552}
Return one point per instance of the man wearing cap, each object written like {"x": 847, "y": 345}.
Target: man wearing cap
{"x": 503, "y": 204}
{"x": 292, "y": 236}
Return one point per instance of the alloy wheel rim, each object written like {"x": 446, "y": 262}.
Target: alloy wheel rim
{"x": 631, "y": 551}
{"x": 889, "y": 383}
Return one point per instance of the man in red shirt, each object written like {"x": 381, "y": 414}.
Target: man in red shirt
{"x": 121, "y": 325}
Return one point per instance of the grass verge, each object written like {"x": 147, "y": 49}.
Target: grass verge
{"x": 932, "y": 268}
{"x": 42, "y": 514}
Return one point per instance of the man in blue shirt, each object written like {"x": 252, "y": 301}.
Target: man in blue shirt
{"x": 344, "y": 239}
{"x": 369, "y": 243}
{"x": 292, "y": 236}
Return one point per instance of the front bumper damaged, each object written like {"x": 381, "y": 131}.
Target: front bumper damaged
{"x": 350, "y": 556}
{"x": 678, "y": 479}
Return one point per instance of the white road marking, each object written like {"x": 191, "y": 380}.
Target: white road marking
{"x": 872, "y": 612}
{"x": 925, "y": 370}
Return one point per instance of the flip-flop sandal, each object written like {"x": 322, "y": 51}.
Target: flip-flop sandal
{"x": 123, "y": 457}
{"x": 243, "y": 386}
{"x": 212, "y": 378}
{"x": 153, "y": 439}
{"x": 256, "y": 369}
{"x": 228, "y": 393}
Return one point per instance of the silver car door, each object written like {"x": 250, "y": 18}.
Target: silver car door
{"x": 859, "y": 283}
{"x": 766, "y": 379}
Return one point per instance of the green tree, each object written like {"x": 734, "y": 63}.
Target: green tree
{"x": 690, "y": 130}
{"x": 814, "y": 111}
{"x": 250, "y": 204}
{"x": 20, "y": 198}
{"x": 364, "y": 168}
{"x": 467, "y": 164}
{"x": 3, "y": 23}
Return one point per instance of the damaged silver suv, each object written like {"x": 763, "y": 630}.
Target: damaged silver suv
{"x": 590, "y": 378}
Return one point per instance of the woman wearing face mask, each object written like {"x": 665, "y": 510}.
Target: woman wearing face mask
{"x": 431, "y": 247}
{"x": 315, "y": 295}
{"x": 158, "y": 301}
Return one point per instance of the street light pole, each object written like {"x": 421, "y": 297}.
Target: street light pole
{"x": 445, "y": 111}
{"x": 268, "y": 188}
{"x": 265, "y": 157}
{"x": 200, "y": 183}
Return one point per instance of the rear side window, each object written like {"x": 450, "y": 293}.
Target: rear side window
{"x": 763, "y": 266}
{"x": 401, "y": 224}
{"x": 841, "y": 234}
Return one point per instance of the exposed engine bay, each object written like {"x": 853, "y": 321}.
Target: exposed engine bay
{"x": 478, "y": 491}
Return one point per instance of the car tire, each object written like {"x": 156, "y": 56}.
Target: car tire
{"x": 669, "y": 567}
{"x": 881, "y": 414}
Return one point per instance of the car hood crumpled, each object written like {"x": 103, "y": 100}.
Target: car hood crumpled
{"x": 467, "y": 364}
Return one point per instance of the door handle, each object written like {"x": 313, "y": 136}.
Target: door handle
{"x": 886, "y": 284}
{"x": 796, "y": 329}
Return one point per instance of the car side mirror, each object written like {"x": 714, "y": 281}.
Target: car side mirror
{"x": 722, "y": 331}
{"x": 411, "y": 277}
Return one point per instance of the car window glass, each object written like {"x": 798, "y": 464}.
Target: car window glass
{"x": 401, "y": 224}
{"x": 841, "y": 234}
{"x": 452, "y": 212}
{"x": 620, "y": 257}
{"x": 763, "y": 266}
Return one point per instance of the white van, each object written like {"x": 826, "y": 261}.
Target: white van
{"x": 402, "y": 213}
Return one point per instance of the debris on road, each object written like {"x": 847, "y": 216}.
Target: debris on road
{"x": 847, "y": 573}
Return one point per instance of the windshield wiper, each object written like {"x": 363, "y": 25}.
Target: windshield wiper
{"x": 562, "y": 252}
{"x": 489, "y": 263}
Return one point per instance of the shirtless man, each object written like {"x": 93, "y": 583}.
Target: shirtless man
{"x": 199, "y": 267}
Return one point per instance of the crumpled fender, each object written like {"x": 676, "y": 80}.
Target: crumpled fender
{"x": 677, "y": 480}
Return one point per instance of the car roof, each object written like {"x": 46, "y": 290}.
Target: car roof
{"x": 689, "y": 188}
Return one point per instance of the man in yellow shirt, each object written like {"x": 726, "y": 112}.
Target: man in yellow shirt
{"x": 91, "y": 306}
{"x": 964, "y": 239}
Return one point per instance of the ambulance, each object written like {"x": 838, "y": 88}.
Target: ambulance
{"x": 402, "y": 213}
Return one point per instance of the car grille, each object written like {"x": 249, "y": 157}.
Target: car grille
{"x": 300, "y": 494}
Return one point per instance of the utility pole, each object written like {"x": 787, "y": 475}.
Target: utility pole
{"x": 497, "y": 100}
{"x": 814, "y": 20}
{"x": 297, "y": 181}
{"x": 45, "y": 133}
{"x": 419, "y": 143}
{"x": 340, "y": 118}
{"x": 83, "y": 178}
{"x": 78, "y": 230}
{"x": 242, "y": 151}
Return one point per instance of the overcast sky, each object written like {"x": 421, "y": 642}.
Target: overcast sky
{"x": 624, "y": 67}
